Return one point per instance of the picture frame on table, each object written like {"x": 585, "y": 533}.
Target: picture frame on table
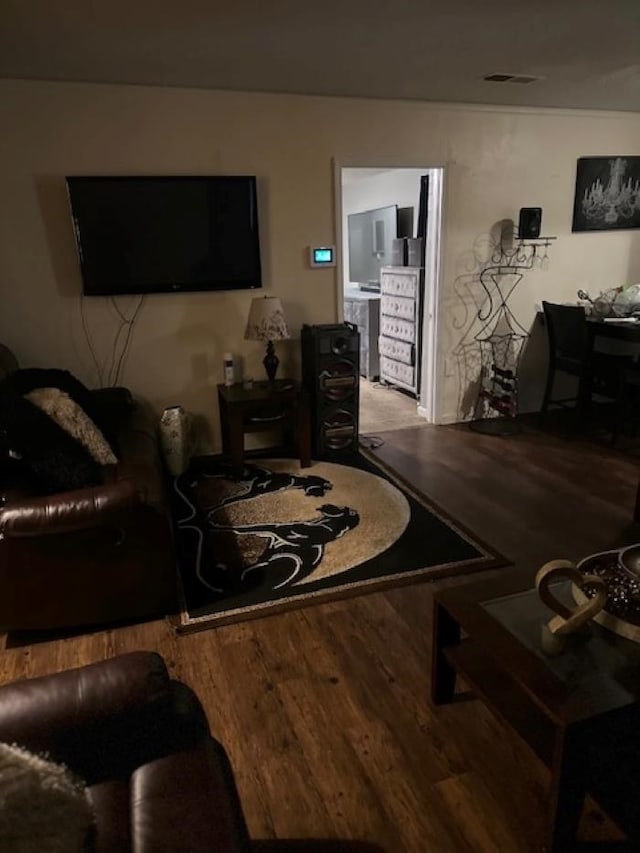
{"x": 607, "y": 194}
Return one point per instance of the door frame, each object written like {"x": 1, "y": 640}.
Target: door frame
{"x": 429, "y": 406}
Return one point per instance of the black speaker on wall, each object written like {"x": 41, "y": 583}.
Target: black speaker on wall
{"x": 330, "y": 374}
{"x": 529, "y": 223}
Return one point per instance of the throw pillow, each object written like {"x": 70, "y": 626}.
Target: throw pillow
{"x": 74, "y": 421}
{"x": 27, "y": 379}
{"x": 56, "y": 460}
{"x": 44, "y": 808}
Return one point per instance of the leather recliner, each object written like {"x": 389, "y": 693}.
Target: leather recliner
{"x": 96, "y": 555}
{"x": 157, "y": 779}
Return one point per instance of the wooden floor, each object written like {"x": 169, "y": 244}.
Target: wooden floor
{"x": 324, "y": 711}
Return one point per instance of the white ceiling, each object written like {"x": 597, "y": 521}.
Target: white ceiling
{"x": 588, "y": 51}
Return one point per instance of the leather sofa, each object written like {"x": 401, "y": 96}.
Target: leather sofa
{"x": 157, "y": 780}
{"x": 95, "y": 555}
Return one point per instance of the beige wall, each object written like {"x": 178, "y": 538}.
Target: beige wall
{"x": 496, "y": 160}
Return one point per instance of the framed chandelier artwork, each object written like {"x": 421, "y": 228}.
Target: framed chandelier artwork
{"x": 607, "y": 194}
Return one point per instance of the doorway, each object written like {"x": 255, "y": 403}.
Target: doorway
{"x": 377, "y": 207}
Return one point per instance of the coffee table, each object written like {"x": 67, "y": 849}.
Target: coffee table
{"x": 579, "y": 711}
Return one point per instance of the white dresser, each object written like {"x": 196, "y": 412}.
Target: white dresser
{"x": 363, "y": 310}
{"x": 401, "y": 290}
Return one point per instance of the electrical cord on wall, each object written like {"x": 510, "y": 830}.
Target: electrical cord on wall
{"x": 114, "y": 347}
{"x": 129, "y": 324}
{"x": 87, "y": 338}
{"x": 119, "y": 351}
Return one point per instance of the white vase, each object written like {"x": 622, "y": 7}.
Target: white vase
{"x": 175, "y": 439}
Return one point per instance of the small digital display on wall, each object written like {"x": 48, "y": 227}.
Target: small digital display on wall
{"x": 323, "y": 256}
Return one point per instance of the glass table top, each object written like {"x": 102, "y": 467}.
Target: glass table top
{"x": 588, "y": 655}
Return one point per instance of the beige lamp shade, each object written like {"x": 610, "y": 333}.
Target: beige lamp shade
{"x": 266, "y": 320}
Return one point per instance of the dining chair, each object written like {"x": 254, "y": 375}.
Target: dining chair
{"x": 571, "y": 352}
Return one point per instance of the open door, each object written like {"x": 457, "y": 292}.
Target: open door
{"x": 376, "y": 208}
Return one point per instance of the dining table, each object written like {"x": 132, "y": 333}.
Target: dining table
{"x": 625, "y": 330}
{"x": 615, "y": 328}
{"x": 617, "y": 339}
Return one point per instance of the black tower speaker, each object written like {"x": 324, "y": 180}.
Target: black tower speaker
{"x": 529, "y": 223}
{"x": 331, "y": 375}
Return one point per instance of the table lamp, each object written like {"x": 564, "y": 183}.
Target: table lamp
{"x": 267, "y": 323}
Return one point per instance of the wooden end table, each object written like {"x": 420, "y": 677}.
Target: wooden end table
{"x": 264, "y": 406}
{"x": 579, "y": 711}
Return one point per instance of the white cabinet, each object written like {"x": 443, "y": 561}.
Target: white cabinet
{"x": 363, "y": 310}
{"x": 401, "y": 292}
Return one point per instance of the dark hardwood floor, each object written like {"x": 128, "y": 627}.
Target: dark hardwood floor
{"x": 324, "y": 710}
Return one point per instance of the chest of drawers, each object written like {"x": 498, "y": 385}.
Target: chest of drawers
{"x": 401, "y": 290}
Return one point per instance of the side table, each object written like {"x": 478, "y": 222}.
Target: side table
{"x": 282, "y": 403}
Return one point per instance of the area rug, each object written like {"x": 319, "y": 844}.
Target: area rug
{"x": 281, "y": 536}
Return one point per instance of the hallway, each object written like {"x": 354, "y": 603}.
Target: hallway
{"x": 383, "y": 408}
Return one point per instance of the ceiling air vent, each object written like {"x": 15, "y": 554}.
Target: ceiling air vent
{"x": 511, "y": 78}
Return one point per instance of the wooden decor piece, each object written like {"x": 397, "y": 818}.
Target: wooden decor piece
{"x": 567, "y": 621}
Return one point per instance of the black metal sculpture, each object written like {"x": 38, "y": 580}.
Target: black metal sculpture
{"x": 501, "y": 337}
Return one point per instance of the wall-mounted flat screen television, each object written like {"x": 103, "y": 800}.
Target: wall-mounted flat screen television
{"x": 166, "y": 234}
{"x": 371, "y": 233}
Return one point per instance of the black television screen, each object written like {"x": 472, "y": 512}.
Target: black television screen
{"x": 166, "y": 234}
{"x": 371, "y": 235}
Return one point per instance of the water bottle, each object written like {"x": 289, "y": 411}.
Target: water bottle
{"x": 227, "y": 359}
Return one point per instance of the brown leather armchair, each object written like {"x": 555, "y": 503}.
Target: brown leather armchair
{"x": 157, "y": 779}
{"x": 94, "y": 555}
